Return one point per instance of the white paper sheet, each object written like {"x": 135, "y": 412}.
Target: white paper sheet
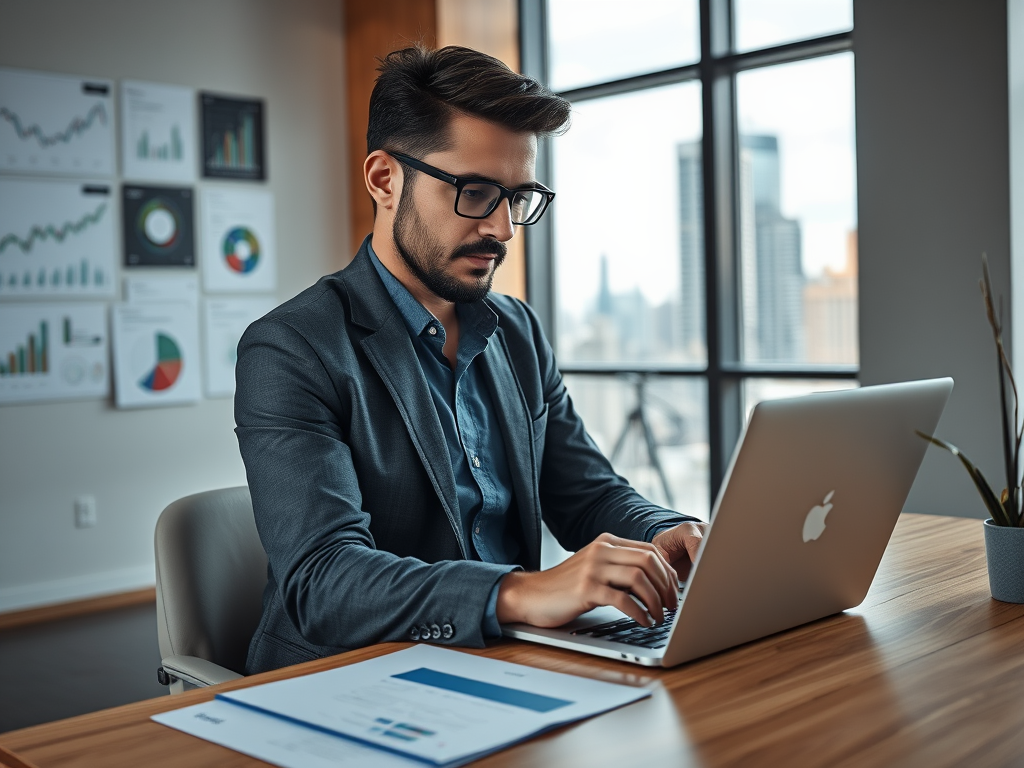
{"x": 156, "y": 354}
{"x": 143, "y": 290}
{"x": 58, "y": 125}
{"x": 238, "y": 241}
{"x": 53, "y": 352}
{"x": 56, "y": 239}
{"x": 224, "y": 322}
{"x": 158, "y": 131}
{"x": 275, "y": 740}
{"x": 435, "y": 704}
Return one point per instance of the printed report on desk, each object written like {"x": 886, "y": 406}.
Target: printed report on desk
{"x": 434, "y": 704}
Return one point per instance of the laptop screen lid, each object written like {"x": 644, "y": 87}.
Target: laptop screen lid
{"x": 810, "y": 499}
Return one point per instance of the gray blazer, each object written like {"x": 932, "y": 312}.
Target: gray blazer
{"x": 352, "y": 485}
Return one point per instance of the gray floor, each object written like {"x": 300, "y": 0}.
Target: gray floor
{"x": 72, "y": 666}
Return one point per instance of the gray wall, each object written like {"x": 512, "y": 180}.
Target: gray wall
{"x": 933, "y": 158}
{"x": 135, "y": 462}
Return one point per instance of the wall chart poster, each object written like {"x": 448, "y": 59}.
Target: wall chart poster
{"x": 58, "y": 125}
{"x": 158, "y": 132}
{"x": 156, "y": 354}
{"x": 224, "y": 322}
{"x": 233, "y": 143}
{"x": 56, "y": 239}
{"x": 158, "y": 227}
{"x": 53, "y": 352}
{"x": 239, "y": 253}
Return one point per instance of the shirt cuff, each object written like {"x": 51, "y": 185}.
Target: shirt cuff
{"x": 654, "y": 530}
{"x": 490, "y": 627}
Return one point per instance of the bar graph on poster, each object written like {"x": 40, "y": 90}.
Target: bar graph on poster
{"x": 57, "y": 125}
{"x": 56, "y": 239}
{"x": 158, "y": 132}
{"x": 53, "y": 352}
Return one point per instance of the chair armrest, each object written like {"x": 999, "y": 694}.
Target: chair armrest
{"x": 196, "y": 671}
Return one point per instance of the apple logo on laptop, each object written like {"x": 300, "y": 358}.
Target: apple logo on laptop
{"x": 814, "y": 524}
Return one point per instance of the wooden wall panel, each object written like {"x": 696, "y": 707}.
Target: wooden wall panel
{"x": 372, "y": 30}
{"x": 491, "y": 26}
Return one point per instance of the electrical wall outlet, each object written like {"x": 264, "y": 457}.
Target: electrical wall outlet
{"x": 85, "y": 511}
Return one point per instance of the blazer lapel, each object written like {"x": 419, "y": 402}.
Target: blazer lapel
{"x": 391, "y": 353}
{"x": 514, "y": 418}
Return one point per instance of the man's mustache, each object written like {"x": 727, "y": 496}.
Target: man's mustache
{"x": 495, "y": 247}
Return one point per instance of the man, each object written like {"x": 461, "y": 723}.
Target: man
{"x": 404, "y": 431}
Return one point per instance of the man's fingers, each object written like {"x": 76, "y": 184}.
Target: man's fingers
{"x": 660, "y": 574}
{"x": 619, "y": 599}
{"x": 635, "y": 581}
{"x": 693, "y": 539}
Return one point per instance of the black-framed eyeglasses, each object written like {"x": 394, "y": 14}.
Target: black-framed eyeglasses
{"x": 476, "y": 199}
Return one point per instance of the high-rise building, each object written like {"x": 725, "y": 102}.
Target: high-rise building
{"x": 772, "y": 277}
{"x": 690, "y": 311}
{"x": 830, "y": 306}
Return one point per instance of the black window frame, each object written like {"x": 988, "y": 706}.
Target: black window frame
{"x": 716, "y": 71}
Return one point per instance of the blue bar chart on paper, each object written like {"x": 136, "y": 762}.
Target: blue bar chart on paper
{"x": 56, "y": 239}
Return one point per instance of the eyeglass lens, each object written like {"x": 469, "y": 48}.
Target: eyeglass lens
{"x": 479, "y": 199}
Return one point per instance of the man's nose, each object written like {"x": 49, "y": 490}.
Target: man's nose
{"x": 498, "y": 223}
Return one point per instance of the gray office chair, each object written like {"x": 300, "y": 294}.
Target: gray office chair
{"x": 210, "y": 573}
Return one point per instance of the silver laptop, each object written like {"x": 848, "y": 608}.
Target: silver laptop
{"x": 810, "y": 499}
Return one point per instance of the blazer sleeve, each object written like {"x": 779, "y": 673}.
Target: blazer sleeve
{"x": 336, "y": 587}
{"x": 581, "y": 495}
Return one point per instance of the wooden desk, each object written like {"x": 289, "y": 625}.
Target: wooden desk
{"x": 928, "y": 671}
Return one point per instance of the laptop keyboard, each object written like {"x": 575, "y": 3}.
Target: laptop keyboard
{"x": 630, "y": 632}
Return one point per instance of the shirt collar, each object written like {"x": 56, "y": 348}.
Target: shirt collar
{"x": 476, "y": 315}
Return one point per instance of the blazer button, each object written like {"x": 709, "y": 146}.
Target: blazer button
{"x": 435, "y": 632}
{"x": 424, "y": 632}
{"x": 414, "y": 633}
{"x": 447, "y": 631}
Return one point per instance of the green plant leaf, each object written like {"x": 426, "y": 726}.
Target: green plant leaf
{"x": 999, "y": 514}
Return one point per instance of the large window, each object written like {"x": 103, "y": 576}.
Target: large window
{"x": 702, "y": 253}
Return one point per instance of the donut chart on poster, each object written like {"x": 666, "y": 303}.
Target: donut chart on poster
{"x": 159, "y": 225}
{"x": 241, "y": 250}
{"x": 167, "y": 368}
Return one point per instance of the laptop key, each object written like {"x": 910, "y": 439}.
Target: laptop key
{"x": 607, "y": 628}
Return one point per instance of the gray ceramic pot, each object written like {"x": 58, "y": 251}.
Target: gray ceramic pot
{"x": 1004, "y": 548}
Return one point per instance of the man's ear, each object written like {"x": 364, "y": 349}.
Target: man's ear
{"x": 383, "y": 177}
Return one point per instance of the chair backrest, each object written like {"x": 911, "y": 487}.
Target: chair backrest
{"x": 210, "y": 574}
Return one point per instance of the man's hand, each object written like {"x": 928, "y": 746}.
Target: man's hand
{"x": 608, "y": 571}
{"x": 679, "y": 545}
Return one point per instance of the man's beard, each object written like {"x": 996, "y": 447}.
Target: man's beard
{"x": 427, "y": 260}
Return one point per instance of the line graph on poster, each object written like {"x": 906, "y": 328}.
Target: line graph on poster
{"x": 58, "y": 125}
{"x": 56, "y": 239}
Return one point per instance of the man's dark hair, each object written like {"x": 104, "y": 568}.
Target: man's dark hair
{"x": 418, "y": 91}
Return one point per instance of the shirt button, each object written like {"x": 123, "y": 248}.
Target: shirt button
{"x": 476, "y": 462}
{"x": 447, "y": 631}
{"x": 435, "y": 632}
{"x": 432, "y": 331}
{"x": 414, "y": 633}
{"x": 477, "y": 529}
{"x": 424, "y": 632}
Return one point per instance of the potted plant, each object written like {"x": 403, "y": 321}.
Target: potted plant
{"x": 1004, "y": 531}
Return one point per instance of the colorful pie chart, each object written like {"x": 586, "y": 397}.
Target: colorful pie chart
{"x": 167, "y": 368}
{"x": 241, "y": 250}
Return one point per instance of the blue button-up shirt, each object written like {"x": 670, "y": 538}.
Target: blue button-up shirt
{"x": 468, "y": 420}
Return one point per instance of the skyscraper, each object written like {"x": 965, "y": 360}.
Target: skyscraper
{"x": 772, "y": 274}
{"x": 691, "y": 251}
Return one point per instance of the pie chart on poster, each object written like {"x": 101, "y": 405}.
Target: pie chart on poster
{"x": 168, "y": 365}
{"x": 241, "y": 250}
